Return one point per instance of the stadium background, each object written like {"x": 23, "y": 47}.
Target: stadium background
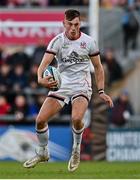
{"x": 25, "y": 30}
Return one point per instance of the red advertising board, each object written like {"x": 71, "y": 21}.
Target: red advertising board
{"x": 28, "y": 27}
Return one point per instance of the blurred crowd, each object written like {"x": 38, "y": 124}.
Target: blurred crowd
{"x": 42, "y": 3}
{"x": 120, "y": 3}
{"x": 20, "y": 95}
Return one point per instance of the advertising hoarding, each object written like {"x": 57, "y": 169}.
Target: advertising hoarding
{"x": 123, "y": 145}
{"x": 29, "y": 27}
{"x": 19, "y": 143}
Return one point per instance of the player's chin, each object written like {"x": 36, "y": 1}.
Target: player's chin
{"x": 73, "y": 35}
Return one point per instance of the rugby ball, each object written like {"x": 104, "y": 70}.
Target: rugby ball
{"x": 52, "y": 71}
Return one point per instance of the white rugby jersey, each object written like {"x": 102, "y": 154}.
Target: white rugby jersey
{"x": 73, "y": 58}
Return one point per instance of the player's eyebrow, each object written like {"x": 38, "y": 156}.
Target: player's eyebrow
{"x": 73, "y": 23}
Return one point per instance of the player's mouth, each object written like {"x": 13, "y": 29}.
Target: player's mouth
{"x": 73, "y": 33}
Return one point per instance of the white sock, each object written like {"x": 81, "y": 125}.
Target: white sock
{"x": 43, "y": 136}
{"x": 77, "y": 138}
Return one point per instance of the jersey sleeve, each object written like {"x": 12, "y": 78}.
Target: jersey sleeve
{"x": 54, "y": 45}
{"x": 94, "y": 50}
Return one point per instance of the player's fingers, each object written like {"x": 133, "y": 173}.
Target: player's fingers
{"x": 48, "y": 77}
{"x": 107, "y": 99}
{"x": 53, "y": 83}
{"x": 111, "y": 103}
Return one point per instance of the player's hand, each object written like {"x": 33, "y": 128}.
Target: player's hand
{"x": 107, "y": 99}
{"x": 47, "y": 82}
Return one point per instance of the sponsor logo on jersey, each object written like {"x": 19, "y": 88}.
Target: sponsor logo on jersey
{"x": 74, "y": 57}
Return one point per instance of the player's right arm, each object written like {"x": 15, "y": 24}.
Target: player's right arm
{"x": 51, "y": 51}
{"x": 46, "y": 60}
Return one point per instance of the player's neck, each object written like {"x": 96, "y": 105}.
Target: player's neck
{"x": 73, "y": 38}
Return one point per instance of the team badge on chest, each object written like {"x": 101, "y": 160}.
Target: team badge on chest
{"x": 83, "y": 45}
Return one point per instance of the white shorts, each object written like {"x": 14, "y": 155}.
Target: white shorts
{"x": 64, "y": 96}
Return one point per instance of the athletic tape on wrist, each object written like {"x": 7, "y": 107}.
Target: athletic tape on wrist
{"x": 101, "y": 91}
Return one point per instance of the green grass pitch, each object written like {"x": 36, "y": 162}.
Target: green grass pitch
{"x": 87, "y": 170}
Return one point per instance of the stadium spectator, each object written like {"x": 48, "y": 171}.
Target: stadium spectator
{"x": 5, "y": 78}
{"x": 115, "y": 71}
{"x": 5, "y": 107}
{"x": 1, "y": 54}
{"x": 138, "y": 6}
{"x": 19, "y": 57}
{"x": 32, "y": 77}
{"x": 130, "y": 27}
{"x": 38, "y": 52}
{"x": 20, "y": 108}
{"x": 122, "y": 109}
{"x": 19, "y": 78}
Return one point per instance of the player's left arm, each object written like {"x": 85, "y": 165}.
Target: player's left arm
{"x": 99, "y": 76}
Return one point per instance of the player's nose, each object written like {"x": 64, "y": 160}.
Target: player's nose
{"x": 73, "y": 28}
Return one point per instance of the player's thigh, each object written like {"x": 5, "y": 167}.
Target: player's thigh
{"x": 50, "y": 107}
{"x": 79, "y": 107}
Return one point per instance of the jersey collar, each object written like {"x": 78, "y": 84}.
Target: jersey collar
{"x": 73, "y": 39}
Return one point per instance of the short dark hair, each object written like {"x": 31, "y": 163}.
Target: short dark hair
{"x": 70, "y": 14}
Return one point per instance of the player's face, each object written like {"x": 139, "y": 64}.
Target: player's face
{"x": 72, "y": 28}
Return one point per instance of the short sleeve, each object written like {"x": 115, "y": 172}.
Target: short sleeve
{"x": 54, "y": 45}
{"x": 94, "y": 50}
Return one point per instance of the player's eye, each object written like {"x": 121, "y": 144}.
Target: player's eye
{"x": 70, "y": 24}
{"x": 76, "y": 24}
